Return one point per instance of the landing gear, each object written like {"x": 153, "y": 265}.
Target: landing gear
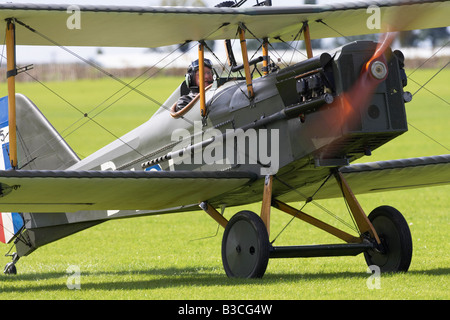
{"x": 395, "y": 252}
{"x": 383, "y": 236}
{"x": 245, "y": 246}
{"x": 10, "y": 268}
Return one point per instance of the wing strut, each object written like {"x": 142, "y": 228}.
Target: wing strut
{"x": 265, "y": 51}
{"x": 201, "y": 77}
{"x": 307, "y": 40}
{"x": 248, "y": 75}
{"x": 11, "y": 76}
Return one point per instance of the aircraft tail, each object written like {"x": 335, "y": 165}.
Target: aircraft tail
{"x": 39, "y": 145}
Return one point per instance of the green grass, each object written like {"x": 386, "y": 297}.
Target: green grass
{"x": 160, "y": 258}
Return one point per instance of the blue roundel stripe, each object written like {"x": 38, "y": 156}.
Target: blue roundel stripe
{"x": 10, "y": 224}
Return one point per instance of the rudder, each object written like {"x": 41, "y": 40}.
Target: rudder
{"x": 39, "y": 145}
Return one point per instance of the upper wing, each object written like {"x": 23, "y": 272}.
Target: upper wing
{"x": 384, "y": 176}
{"x": 131, "y": 26}
{"x": 69, "y": 191}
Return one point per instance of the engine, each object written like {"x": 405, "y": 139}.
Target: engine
{"x": 335, "y": 123}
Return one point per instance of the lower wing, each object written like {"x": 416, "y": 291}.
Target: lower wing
{"x": 70, "y": 191}
{"x": 382, "y": 176}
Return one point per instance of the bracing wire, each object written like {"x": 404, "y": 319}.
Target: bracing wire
{"x": 87, "y": 114}
{"x": 315, "y": 203}
{"x": 125, "y": 85}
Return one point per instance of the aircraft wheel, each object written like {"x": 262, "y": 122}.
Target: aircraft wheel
{"x": 392, "y": 228}
{"x": 245, "y": 246}
{"x": 10, "y": 268}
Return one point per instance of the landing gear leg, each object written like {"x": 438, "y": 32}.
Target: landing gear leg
{"x": 245, "y": 243}
{"x": 387, "y": 229}
{"x": 10, "y": 268}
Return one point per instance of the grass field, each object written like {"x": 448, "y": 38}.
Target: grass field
{"x": 162, "y": 257}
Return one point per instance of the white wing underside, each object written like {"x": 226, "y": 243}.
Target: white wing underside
{"x": 131, "y": 26}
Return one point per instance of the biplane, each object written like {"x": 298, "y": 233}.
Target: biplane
{"x": 288, "y": 135}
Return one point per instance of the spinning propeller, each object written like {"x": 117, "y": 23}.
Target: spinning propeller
{"x": 372, "y": 74}
{"x": 352, "y": 102}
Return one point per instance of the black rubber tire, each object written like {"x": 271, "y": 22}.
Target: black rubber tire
{"x": 395, "y": 236}
{"x": 245, "y": 246}
{"x": 10, "y": 269}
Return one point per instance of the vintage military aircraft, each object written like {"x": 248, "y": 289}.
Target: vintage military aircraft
{"x": 285, "y": 136}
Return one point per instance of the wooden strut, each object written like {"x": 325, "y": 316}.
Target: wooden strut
{"x": 11, "y": 75}
{"x": 363, "y": 223}
{"x": 309, "y": 52}
{"x": 315, "y": 222}
{"x": 220, "y": 219}
{"x": 248, "y": 75}
{"x": 265, "y": 53}
{"x": 201, "y": 78}
{"x": 361, "y": 219}
{"x": 267, "y": 202}
{"x": 265, "y": 208}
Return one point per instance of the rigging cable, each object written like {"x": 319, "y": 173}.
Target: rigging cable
{"x": 311, "y": 200}
{"x": 86, "y": 114}
{"x": 97, "y": 67}
{"x": 125, "y": 85}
